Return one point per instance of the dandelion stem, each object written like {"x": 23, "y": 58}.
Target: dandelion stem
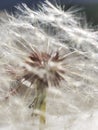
{"x": 41, "y": 103}
{"x": 42, "y": 116}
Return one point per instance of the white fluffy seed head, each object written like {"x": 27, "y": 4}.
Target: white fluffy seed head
{"x": 52, "y": 46}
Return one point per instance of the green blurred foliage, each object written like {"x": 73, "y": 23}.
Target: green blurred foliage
{"x": 92, "y": 13}
{"x": 90, "y": 10}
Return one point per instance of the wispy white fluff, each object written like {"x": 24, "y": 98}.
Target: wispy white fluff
{"x": 73, "y": 104}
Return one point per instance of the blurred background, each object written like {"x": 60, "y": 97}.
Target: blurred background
{"x": 90, "y": 7}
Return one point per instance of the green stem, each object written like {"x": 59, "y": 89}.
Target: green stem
{"x": 42, "y": 115}
{"x": 41, "y": 103}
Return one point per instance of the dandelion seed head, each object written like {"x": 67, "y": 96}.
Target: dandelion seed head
{"x": 58, "y": 52}
{"x": 52, "y": 48}
{"x": 48, "y": 65}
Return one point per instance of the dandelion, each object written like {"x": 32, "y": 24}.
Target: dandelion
{"x": 48, "y": 65}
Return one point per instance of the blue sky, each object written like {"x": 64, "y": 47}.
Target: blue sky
{"x": 5, "y": 4}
